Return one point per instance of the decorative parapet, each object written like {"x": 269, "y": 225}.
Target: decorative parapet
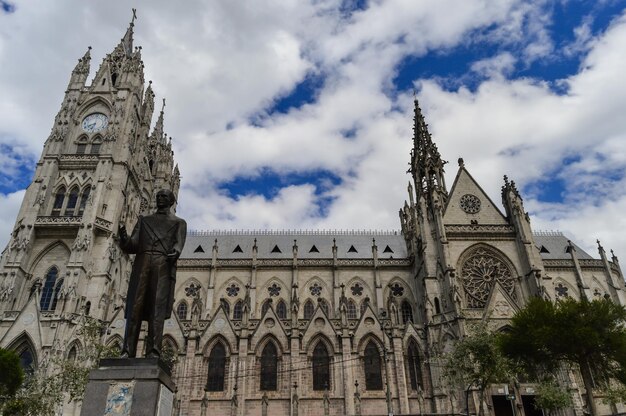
{"x": 103, "y": 224}
{"x": 569, "y": 264}
{"x": 234, "y": 263}
{"x": 480, "y": 230}
{"x": 75, "y": 161}
{"x": 57, "y": 221}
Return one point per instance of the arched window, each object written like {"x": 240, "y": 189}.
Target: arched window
{"x": 437, "y": 306}
{"x": 27, "y": 358}
{"x": 217, "y": 368}
{"x": 413, "y": 362}
{"x": 407, "y": 312}
{"x": 81, "y": 146}
{"x": 87, "y": 308}
{"x": 71, "y": 356}
{"x": 269, "y": 367}
{"x": 321, "y": 367}
{"x": 266, "y": 306}
{"x": 71, "y": 202}
{"x": 83, "y": 200}
{"x": 48, "y": 289}
{"x": 181, "y": 310}
{"x": 95, "y": 147}
{"x": 351, "y": 310}
{"x": 58, "y": 202}
{"x": 372, "y": 367}
{"x": 281, "y": 310}
{"x": 238, "y": 311}
{"x": 308, "y": 309}
{"x": 324, "y": 306}
{"x": 56, "y": 294}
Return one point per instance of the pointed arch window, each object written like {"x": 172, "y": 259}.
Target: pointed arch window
{"x": 238, "y": 311}
{"x": 437, "y": 306}
{"x": 71, "y": 356}
{"x": 58, "y": 202}
{"x": 217, "y": 368}
{"x": 87, "y": 308}
{"x": 71, "y": 202}
{"x": 83, "y": 200}
{"x": 308, "y": 309}
{"x": 265, "y": 306}
{"x": 372, "y": 367}
{"x": 181, "y": 310}
{"x": 407, "y": 312}
{"x": 269, "y": 367}
{"x": 27, "y": 357}
{"x": 81, "y": 147}
{"x": 321, "y": 367}
{"x": 281, "y": 310}
{"x": 351, "y": 310}
{"x": 413, "y": 363}
{"x": 47, "y": 291}
{"x": 95, "y": 147}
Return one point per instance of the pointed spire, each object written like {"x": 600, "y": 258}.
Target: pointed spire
{"x": 157, "y": 133}
{"x": 127, "y": 41}
{"x": 82, "y": 67}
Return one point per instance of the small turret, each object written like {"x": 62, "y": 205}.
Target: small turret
{"x": 80, "y": 72}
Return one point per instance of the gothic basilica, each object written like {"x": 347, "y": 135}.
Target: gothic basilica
{"x": 268, "y": 322}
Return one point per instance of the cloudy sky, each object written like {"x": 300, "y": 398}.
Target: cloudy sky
{"x": 298, "y": 113}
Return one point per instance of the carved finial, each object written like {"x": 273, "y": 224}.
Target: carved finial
{"x": 506, "y": 180}
{"x": 461, "y": 162}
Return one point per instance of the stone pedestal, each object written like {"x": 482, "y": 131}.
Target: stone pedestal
{"x": 129, "y": 387}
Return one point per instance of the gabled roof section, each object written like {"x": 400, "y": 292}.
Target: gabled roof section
{"x": 468, "y": 203}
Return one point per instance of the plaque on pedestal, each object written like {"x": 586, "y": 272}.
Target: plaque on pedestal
{"x": 129, "y": 387}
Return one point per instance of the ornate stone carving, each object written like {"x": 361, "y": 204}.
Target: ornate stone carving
{"x": 470, "y": 203}
{"x": 480, "y": 272}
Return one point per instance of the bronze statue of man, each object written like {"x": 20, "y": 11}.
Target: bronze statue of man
{"x": 157, "y": 240}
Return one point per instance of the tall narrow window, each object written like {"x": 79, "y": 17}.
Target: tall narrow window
{"x": 55, "y": 296}
{"x": 217, "y": 368}
{"x": 58, "y": 202}
{"x": 80, "y": 148}
{"x": 308, "y": 309}
{"x": 321, "y": 367}
{"x": 372, "y": 367}
{"x": 71, "y": 202}
{"x": 407, "y": 312}
{"x": 413, "y": 362}
{"x": 281, "y": 310}
{"x": 266, "y": 306}
{"x": 27, "y": 360}
{"x": 95, "y": 147}
{"x": 351, "y": 309}
{"x": 181, "y": 310}
{"x": 83, "y": 200}
{"x": 87, "y": 308}
{"x": 48, "y": 289}
{"x": 269, "y": 367}
{"x": 238, "y": 311}
{"x": 71, "y": 356}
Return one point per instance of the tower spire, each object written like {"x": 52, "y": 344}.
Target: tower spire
{"x": 157, "y": 133}
{"x": 426, "y": 162}
{"x": 82, "y": 67}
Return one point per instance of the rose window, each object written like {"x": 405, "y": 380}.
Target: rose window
{"x": 274, "y": 290}
{"x": 232, "y": 290}
{"x": 397, "y": 290}
{"x": 192, "y": 290}
{"x": 470, "y": 203}
{"x": 479, "y": 273}
{"x": 357, "y": 289}
{"x": 315, "y": 289}
{"x": 561, "y": 291}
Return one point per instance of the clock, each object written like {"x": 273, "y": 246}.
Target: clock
{"x": 95, "y": 122}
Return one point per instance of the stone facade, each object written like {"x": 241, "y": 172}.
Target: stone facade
{"x": 365, "y": 314}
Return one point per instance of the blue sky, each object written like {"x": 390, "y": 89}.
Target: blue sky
{"x": 298, "y": 115}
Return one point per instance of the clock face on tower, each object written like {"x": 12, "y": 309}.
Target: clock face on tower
{"x": 95, "y": 122}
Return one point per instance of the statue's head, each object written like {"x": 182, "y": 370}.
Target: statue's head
{"x": 165, "y": 198}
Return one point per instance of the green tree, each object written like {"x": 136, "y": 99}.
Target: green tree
{"x": 551, "y": 397}
{"x": 45, "y": 390}
{"x": 11, "y": 375}
{"x": 590, "y": 335}
{"x": 476, "y": 362}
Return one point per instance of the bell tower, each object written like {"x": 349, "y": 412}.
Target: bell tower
{"x": 100, "y": 167}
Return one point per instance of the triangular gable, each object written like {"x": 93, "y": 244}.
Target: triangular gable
{"x": 500, "y": 304}
{"x": 26, "y": 322}
{"x": 368, "y": 324}
{"x": 319, "y": 324}
{"x": 464, "y": 184}
{"x": 267, "y": 327}
{"x": 220, "y": 325}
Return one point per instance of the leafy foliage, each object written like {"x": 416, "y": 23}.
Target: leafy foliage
{"x": 44, "y": 391}
{"x": 551, "y": 397}
{"x": 590, "y": 335}
{"x": 476, "y": 361}
{"x": 11, "y": 374}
